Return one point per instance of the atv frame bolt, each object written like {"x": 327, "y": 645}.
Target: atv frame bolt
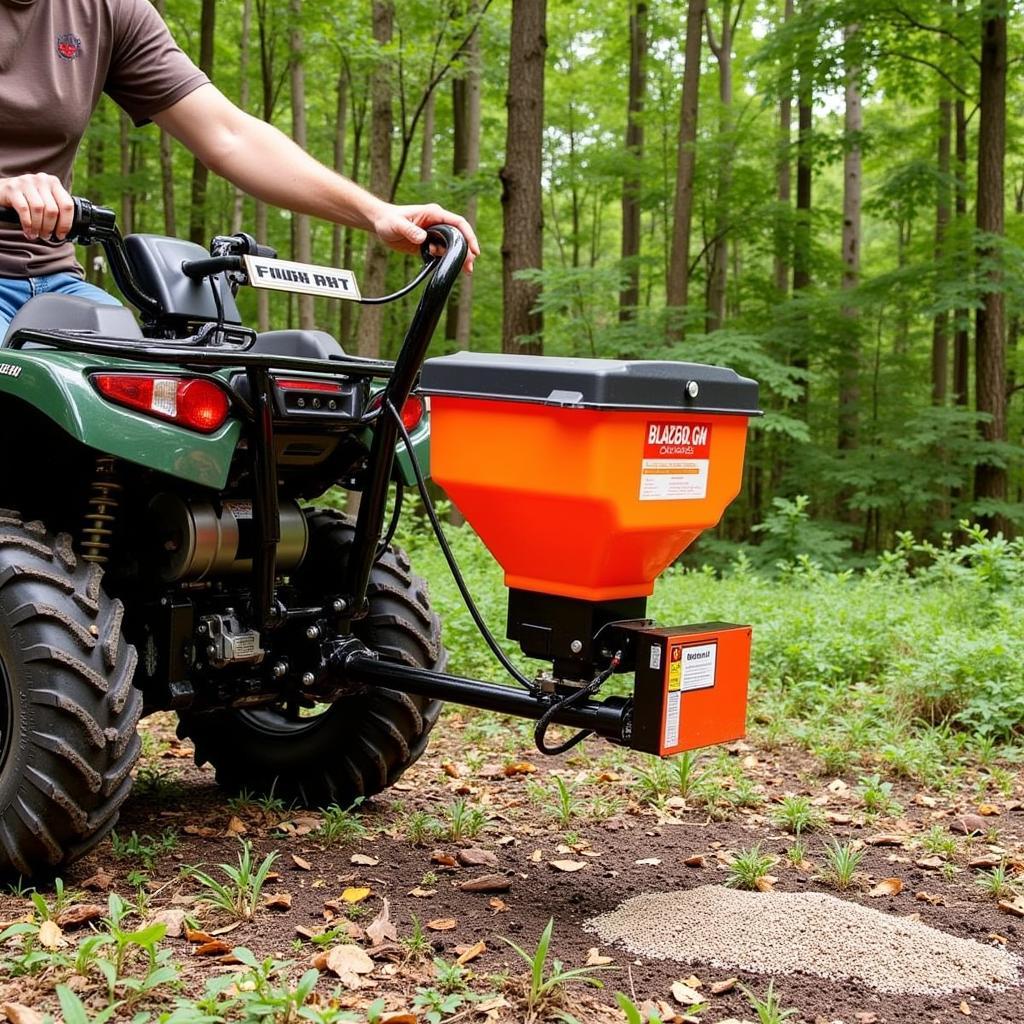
{"x": 280, "y": 670}
{"x": 313, "y": 633}
{"x": 692, "y": 389}
{"x": 576, "y": 646}
{"x": 339, "y": 605}
{"x": 308, "y": 679}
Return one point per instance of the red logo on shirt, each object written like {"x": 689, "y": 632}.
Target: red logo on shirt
{"x": 69, "y": 47}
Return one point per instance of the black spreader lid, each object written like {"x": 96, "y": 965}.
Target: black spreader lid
{"x": 591, "y": 383}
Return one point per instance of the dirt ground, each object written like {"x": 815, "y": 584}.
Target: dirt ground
{"x": 604, "y": 834}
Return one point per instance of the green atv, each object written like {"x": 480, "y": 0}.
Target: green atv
{"x": 156, "y": 552}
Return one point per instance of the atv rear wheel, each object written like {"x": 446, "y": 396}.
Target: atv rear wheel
{"x": 361, "y": 744}
{"x": 68, "y": 709}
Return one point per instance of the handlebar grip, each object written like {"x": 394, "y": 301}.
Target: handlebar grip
{"x": 89, "y": 223}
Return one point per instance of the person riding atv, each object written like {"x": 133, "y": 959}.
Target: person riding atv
{"x": 58, "y": 56}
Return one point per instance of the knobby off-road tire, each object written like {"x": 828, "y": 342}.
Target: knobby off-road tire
{"x": 362, "y": 743}
{"x": 68, "y": 709}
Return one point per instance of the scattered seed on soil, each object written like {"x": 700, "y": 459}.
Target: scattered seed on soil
{"x": 810, "y": 933}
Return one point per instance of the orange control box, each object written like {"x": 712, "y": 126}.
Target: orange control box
{"x": 691, "y": 687}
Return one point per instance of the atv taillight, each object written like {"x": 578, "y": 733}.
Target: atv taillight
{"x": 187, "y": 401}
{"x": 412, "y": 411}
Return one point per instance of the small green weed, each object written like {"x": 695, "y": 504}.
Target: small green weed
{"x": 240, "y": 895}
{"x": 342, "y": 825}
{"x": 876, "y": 796}
{"x": 842, "y": 861}
{"x": 419, "y": 828}
{"x": 796, "y": 814}
{"x": 545, "y": 986}
{"x": 145, "y": 849}
{"x": 769, "y": 1010}
{"x": 464, "y": 821}
{"x": 748, "y": 868}
{"x": 997, "y": 882}
{"x": 939, "y": 842}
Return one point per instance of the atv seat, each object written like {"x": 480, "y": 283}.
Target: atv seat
{"x": 72, "y": 313}
{"x": 303, "y": 344}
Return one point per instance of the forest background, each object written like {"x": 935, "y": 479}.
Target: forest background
{"x": 826, "y": 195}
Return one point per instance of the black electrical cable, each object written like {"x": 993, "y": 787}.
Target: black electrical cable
{"x": 396, "y": 512}
{"x": 540, "y": 730}
{"x": 453, "y": 565}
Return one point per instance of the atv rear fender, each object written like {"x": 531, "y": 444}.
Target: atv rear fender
{"x": 56, "y": 383}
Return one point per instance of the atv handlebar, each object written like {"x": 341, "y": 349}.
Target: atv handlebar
{"x": 90, "y": 223}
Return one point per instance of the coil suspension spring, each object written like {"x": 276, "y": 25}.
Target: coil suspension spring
{"x": 103, "y": 503}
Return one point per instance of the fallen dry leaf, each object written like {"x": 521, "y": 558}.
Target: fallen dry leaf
{"x": 237, "y": 827}
{"x": 451, "y": 770}
{"x": 536, "y": 856}
{"x": 226, "y": 929}
{"x": 519, "y": 768}
{"x": 195, "y": 935}
{"x": 476, "y": 858}
{"x": 75, "y": 917}
{"x": 215, "y": 947}
{"x": 887, "y": 887}
{"x": 422, "y": 894}
{"x": 653, "y": 861}
{"x": 935, "y": 863}
{"x": 1014, "y": 906}
{"x": 347, "y": 962}
{"x": 866, "y": 1017}
{"x": 204, "y": 831}
{"x": 444, "y": 859}
{"x": 301, "y": 863}
{"x": 696, "y": 861}
{"x": 766, "y": 883}
{"x": 989, "y": 810}
{"x": 279, "y": 901}
{"x": 595, "y": 958}
{"x": 468, "y": 953}
{"x": 442, "y": 924}
{"x": 17, "y": 1013}
{"x": 968, "y": 824}
{"x": 568, "y": 865}
{"x": 402, "y": 1017}
{"x": 497, "y": 905}
{"x": 693, "y": 981}
{"x": 364, "y": 860}
{"x": 935, "y": 899}
{"x": 685, "y": 995}
{"x": 355, "y": 894}
{"x": 719, "y": 988}
{"x": 50, "y": 936}
{"x": 99, "y": 882}
{"x": 886, "y": 839}
{"x": 964, "y": 1008}
{"x": 380, "y": 929}
{"x": 988, "y": 860}
{"x": 487, "y": 883}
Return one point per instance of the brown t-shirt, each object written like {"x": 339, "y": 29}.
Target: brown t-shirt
{"x": 56, "y": 58}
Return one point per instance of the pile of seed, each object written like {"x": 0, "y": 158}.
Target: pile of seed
{"x": 812, "y": 933}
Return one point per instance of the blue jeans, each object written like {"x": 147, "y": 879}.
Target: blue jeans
{"x": 16, "y": 291}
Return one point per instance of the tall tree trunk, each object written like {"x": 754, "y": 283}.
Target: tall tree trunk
{"x": 961, "y": 334}
{"x": 340, "y": 131}
{"x": 523, "y": 216}
{"x": 127, "y": 188}
{"x": 990, "y": 318}
{"x": 427, "y": 141}
{"x": 167, "y": 164}
{"x": 244, "y": 99}
{"x": 782, "y": 173}
{"x": 719, "y": 257}
{"x": 849, "y": 357}
{"x": 376, "y": 264}
{"x": 200, "y": 175}
{"x": 802, "y": 218}
{"x": 465, "y": 165}
{"x": 677, "y": 287}
{"x": 303, "y": 241}
{"x": 629, "y": 296}
{"x": 940, "y": 325}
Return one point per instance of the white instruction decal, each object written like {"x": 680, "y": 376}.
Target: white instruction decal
{"x": 675, "y": 463}
{"x": 655, "y": 656}
{"x": 699, "y": 666}
{"x": 286, "y": 276}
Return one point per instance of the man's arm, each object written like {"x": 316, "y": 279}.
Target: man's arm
{"x": 265, "y": 163}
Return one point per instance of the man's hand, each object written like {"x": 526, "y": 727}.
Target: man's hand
{"x": 402, "y": 228}
{"x": 41, "y": 201}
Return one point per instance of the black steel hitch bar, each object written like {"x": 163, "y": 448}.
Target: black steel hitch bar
{"x": 350, "y": 664}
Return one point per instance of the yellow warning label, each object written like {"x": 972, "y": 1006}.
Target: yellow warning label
{"x": 675, "y": 669}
